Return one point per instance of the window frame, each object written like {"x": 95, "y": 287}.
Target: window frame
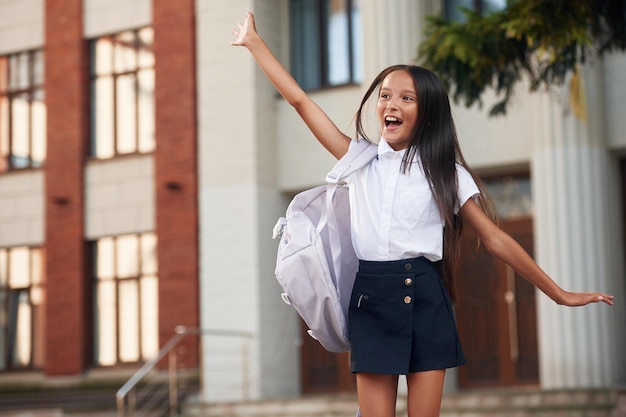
{"x": 8, "y": 95}
{"x": 323, "y": 52}
{"x": 115, "y": 75}
{"x": 11, "y": 313}
{"x": 118, "y": 281}
{"x": 477, "y": 5}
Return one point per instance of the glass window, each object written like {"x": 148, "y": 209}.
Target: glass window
{"x": 326, "y": 42}
{"x": 21, "y": 308}
{"x": 22, "y": 111}
{"x": 511, "y": 195}
{"x": 122, "y": 94}
{"x": 126, "y": 299}
{"x": 453, "y": 8}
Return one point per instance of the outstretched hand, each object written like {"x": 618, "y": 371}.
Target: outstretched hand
{"x": 576, "y": 299}
{"x": 245, "y": 30}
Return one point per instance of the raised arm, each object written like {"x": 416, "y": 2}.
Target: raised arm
{"x": 503, "y": 246}
{"x": 322, "y": 127}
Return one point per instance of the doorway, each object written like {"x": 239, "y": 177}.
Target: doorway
{"x": 322, "y": 371}
{"x": 496, "y": 315}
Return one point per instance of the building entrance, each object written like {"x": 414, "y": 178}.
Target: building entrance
{"x": 496, "y": 315}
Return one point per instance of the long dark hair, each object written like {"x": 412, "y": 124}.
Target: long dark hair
{"x": 435, "y": 141}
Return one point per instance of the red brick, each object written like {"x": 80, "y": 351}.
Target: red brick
{"x": 66, "y": 96}
{"x": 175, "y": 158}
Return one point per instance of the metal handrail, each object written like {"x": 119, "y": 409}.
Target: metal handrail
{"x": 167, "y": 349}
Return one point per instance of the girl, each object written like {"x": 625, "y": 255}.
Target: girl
{"x": 407, "y": 207}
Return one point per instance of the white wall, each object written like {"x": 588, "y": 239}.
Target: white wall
{"x": 21, "y": 193}
{"x": 119, "y": 193}
{"x": 239, "y": 204}
{"x": 303, "y": 162}
{"x": 21, "y": 208}
{"x": 615, "y": 100}
{"x": 102, "y": 17}
{"x": 21, "y": 25}
{"x": 500, "y": 142}
{"x": 227, "y": 228}
{"x": 119, "y": 196}
{"x": 279, "y": 324}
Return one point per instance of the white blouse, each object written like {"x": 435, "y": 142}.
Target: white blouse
{"x": 393, "y": 215}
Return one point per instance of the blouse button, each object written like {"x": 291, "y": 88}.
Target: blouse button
{"x": 407, "y": 300}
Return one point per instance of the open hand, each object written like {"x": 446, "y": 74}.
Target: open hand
{"x": 576, "y": 299}
{"x": 245, "y": 30}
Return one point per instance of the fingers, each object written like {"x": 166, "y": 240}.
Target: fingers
{"x": 240, "y": 31}
{"x": 577, "y": 299}
{"x": 598, "y": 298}
{"x": 237, "y": 32}
{"x": 605, "y": 298}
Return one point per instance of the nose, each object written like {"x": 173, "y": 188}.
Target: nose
{"x": 391, "y": 104}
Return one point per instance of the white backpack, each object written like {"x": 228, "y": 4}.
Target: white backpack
{"x": 316, "y": 264}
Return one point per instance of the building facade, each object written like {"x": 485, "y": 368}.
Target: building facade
{"x": 144, "y": 162}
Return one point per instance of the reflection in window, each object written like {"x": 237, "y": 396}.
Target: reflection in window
{"x": 22, "y": 111}
{"x": 21, "y": 308}
{"x": 122, "y": 94}
{"x": 126, "y": 299}
{"x": 511, "y": 196}
{"x": 326, "y": 42}
{"x": 453, "y": 8}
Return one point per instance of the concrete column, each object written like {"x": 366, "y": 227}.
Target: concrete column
{"x": 578, "y": 233}
{"x": 239, "y": 204}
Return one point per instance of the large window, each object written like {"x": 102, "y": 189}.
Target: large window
{"x": 22, "y": 111}
{"x": 453, "y": 8}
{"x": 122, "y": 94}
{"x": 125, "y": 299}
{"x": 326, "y": 43}
{"x": 21, "y": 308}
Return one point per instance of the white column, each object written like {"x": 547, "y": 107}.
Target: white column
{"x": 239, "y": 204}
{"x": 579, "y": 239}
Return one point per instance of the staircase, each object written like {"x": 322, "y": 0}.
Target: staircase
{"x": 536, "y": 403}
{"x": 58, "y": 402}
{"x": 609, "y": 402}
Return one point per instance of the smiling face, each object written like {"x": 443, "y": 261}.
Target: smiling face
{"x": 397, "y": 109}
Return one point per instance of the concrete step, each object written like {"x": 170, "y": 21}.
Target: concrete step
{"x": 48, "y": 400}
{"x": 54, "y": 412}
{"x": 536, "y": 403}
{"x": 610, "y": 402}
{"x": 82, "y": 398}
{"x": 339, "y": 405}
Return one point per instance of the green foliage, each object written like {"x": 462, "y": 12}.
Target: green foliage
{"x": 538, "y": 40}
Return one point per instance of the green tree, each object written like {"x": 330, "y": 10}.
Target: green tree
{"x": 537, "y": 40}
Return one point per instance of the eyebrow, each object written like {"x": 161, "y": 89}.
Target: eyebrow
{"x": 412, "y": 91}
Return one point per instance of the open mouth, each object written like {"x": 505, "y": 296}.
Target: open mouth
{"x": 392, "y": 121}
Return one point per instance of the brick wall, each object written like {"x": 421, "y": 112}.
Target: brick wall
{"x": 176, "y": 171}
{"x": 66, "y": 95}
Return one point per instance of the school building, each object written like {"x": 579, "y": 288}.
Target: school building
{"x": 144, "y": 162}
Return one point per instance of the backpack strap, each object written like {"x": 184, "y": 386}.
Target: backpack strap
{"x": 360, "y": 153}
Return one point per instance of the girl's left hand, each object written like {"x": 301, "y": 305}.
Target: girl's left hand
{"x": 245, "y": 30}
{"x": 576, "y": 299}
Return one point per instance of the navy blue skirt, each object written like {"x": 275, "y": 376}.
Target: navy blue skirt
{"x": 401, "y": 319}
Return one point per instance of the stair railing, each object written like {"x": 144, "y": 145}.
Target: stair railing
{"x": 154, "y": 399}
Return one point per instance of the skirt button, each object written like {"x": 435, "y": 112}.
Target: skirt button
{"x": 408, "y": 266}
{"x": 407, "y": 300}
{"x": 408, "y": 282}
